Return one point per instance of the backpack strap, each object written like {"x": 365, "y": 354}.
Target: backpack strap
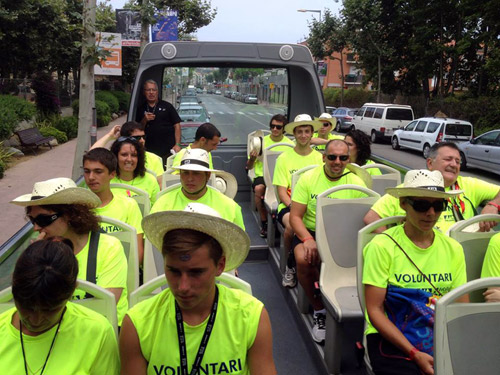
{"x": 92, "y": 259}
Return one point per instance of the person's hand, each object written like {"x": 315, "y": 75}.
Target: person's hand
{"x": 492, "y": 295}
{"x": 425, "y": 362}
{"x": 149, "y": 116}
{"x": 486, "y": 226}
{"x": 176, "y": 148}
{"x": 311, "y": 255}
{"x": 114, "y": 133}
{"x": 253, "y": 154}
{"x": 41, "y": 236}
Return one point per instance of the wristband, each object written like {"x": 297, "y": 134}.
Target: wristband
{"x": 413, "y": 351}
{"x": 307, "y": 239}
{"x": 178, "y": 144}
{"x": 494, "y": 205}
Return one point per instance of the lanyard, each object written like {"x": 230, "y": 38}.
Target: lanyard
{"x": 459, "y": 210}
{"x": 204, "y": 340}
{"x": 51, "y": 345}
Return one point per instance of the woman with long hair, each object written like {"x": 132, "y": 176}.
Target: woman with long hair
{"x": 360, "y": 150}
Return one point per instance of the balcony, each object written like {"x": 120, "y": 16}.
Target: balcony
{"x": 353, "y": 79}
{"x": 350, "y": 58}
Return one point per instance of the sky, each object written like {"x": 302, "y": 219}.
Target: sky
{"x": 263, "y": 21}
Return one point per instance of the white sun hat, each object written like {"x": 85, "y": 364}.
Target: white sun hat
{"x": 423, "y": 183}
{"x": 327, "y": 117}
{"x": 255, "y": 143}
{"x": 57, "y": 191}
{"x": 195, "y": 159}
{"x": 301, "y": 120}
{"x": 234, "y": 241}
{"x": 226, "y": 183}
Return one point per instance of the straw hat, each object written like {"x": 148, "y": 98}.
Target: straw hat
{"x": 255, "y": 143}
{"x": 301, "y": 120}
{"x": 226, "y": 183}
{"x": 422, "y": 183}
{"x": 58, "y": 191}
{"x": 195, "y": 159}
{"x": 361, "y": 173}
{"x": 234, "y": 241}
{"x": 327, "y": 117}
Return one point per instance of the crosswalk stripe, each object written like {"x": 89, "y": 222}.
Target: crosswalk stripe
{"x": 210, "y": 113}
{"x": 240, "y": 113}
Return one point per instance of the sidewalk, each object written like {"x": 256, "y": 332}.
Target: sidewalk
{"x": 20, "y": 179}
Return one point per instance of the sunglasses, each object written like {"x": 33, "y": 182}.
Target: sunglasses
{"x": 326, "y": 124}
{"x": 138, "y": 137}
{"x": 130, "y": 139}
{"x": 44, "y": 220}
{"x": 334, "y": 157}
{"x": 279, "y": 127}
{"x": 422, "y": 205}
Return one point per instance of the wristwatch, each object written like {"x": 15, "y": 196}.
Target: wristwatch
{"x": 494, "y": 205}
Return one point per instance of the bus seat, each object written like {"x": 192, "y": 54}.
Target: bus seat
{"x": 128, "y": 237}
{"x": 170, "y": 161}
{"x": 142, "y": 197}
{"x": 390, "y": 177}
{"x": 153, "y": 286}
{"x": 336, "y": 238}
{"x": 475, "y": 245}
{"x": 103, "y": 301}
{"x": 150, "y": 171}
{"x": 169, "y": 179}
{"x": 365, "y": 235}
{"x": 466, "y": 337}
{"x": 152, "y": 263}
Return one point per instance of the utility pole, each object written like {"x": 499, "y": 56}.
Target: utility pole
{"x": 144, "y": 25}
{"x": 86, "y": 99}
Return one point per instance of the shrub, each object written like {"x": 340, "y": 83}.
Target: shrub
{"x": 123, "y": 99}
{"x": 48, "y": 131}
{"x": 355, "y": 97}
{"x": 103, "y": 112}
{"x": 47, "y": 100}
{"x": 109, "y": 99}
{"x": 8, "y": 122}
{"x": 5, "y": 156}
{"x": 68, "y": 125}
{"x": 332, "y": 96}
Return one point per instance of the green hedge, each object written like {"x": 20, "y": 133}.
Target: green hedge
{"x": 123, "y": 99}
{"x": 103, "y": 112}
{"x": 48, "y": 131}
{"x": 68, "y": 125}
{"x": 13, "y": 110}
{"x": 109, "y": 99}
{"x": 353, "y": 97}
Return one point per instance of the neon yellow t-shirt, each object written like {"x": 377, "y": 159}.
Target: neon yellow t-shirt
{"x": 373, "y": 171}
{"x": 147, "y": 183}
{"x": 258, "y": 166}
{"x": 384, "y": 263}
{"x": 154, "y": 163}
{"x": 85, "y": 345}
{"x": 491, "y": 263}
{"x": 475, "y": 192}
{"x": 234, "y": 332}
{"x": 314, "y": 182}
{"x": 123, "y": 209}
{"x": 180, "y": 154}
{"x": 288, "y": 163}
{"x": 175, "y": 200}
{"x": 321, "y": 148}
{"x": 111, "y": 269}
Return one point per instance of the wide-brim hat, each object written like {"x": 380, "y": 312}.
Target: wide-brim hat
{"x": 423, "y": 183}
{"x": 327, "y": 117}
{"x": 226, "y": 183}
{"x": 361, "y": 173}
{"x": 256, "y": 143}
{"x": 58, "y": 191}
{"x": 301, "y": 120}
{"x": 195, "y": 159}
{"x": 234, "y": 241}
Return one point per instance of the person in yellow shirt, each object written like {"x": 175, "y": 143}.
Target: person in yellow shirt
{"x": 324, "y": 134}
{"x": 491, "y": 267}
{"x": 303, "y": 219}
{"x": 445, "y": 158}
{"x": 196, "y": 325}
{"x": 277, "y": 127}
{"x": 360, "y": 149}
{"x": 43, "y": 333}
{"x": 290, "y": 161}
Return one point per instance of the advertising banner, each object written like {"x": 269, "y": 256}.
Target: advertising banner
{"x": 128, "y": 24}
{"x": 165, "y": 28}
{"x": 111, "y": 65}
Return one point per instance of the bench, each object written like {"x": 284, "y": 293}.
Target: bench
{"x": 33, "y": 138}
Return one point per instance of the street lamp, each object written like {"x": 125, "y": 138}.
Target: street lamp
{"x": 312, "y": 11}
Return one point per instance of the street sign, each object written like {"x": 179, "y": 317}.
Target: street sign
{"x": 271, "y": 86}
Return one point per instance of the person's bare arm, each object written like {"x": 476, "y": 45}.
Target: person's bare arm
{"x": 374, "y": 297}
{"x": 492, "y": 295}
{"x": 177, "y": 128}
{"x": 132, "y": 360}
{"x": 117, "y": 292}
{"x": 485, "y": 226}
{"x": 372, "y": 216}
{"x": 251, "y": 159}
{"x": 319, "y": 141}
{"x": 297, "y": 212}
{"x": 260, "y": 355}
{"x": 283, "y": 195}
{"x": 110, "y": 136}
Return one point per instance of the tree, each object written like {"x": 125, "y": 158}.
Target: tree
{"x": 329, "y": 37}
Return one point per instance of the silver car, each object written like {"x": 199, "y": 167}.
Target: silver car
{"x": 344, "y": 117}
{"x": 482, "y": 152}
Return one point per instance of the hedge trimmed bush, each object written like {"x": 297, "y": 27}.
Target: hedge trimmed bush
{"x": 109, "y": 99}
{"x": 68, "y": 125}
{"x": 123, "y": 99}
{"x": 13, "y": 110}
{"x": 353, "y": 97}
{"x": 103, "y": 112}
{"x": 48, "y": 131}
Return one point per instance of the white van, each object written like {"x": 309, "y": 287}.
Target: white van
{"x": 424, "y": 132}
{"x": 380, "y": 120}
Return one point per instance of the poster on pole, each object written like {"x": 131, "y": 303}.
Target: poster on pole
{"x": 112, "y": 64}
{"x": 165, "y": 28}
{"x": 128, "y": 24}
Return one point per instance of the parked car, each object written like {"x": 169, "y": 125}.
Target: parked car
{"x": 218, "y": 92}
{"x": 330, "y": 110}
{"x": 380, "y": 120}
{"x": 188, "y": 132}
{"x": 188, "y": 99}
{"x": 482, "y": 152}
{"x": 251, "y": 99}
{"x": 344, "y": 117}
{"x": 193, "y": 112}
{"x": 421, "y": 134}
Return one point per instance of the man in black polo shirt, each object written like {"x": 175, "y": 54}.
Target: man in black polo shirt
{"x": 162, "y": 123}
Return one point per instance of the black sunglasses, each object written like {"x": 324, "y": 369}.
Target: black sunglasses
{"x": 325, "y": 124}
{"x": 138, "y": 137}
{"x": 334, "y": 157}
{"x": 422, "y": 205}
{"x": 279, "y": 127}
{"x": 44, "y": 220}
{"x": 131, "y": 139}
